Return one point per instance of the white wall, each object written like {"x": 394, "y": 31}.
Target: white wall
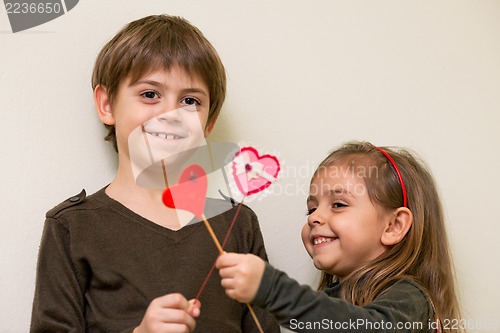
{"x": 304, "y": 76}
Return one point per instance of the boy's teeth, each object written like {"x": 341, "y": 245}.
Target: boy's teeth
{"x": 320, "y": 240}
{"x": 166, "y": 136}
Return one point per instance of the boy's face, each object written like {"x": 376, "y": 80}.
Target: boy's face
{"x": 169, "y": 109}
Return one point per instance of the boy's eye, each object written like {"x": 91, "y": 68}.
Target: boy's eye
{"x": 191, "y": 101}
{"x": 150, "y": 94}
{"x": 310, "y": 211}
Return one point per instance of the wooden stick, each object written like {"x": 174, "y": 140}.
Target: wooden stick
{"x": 255, "y": 318}
{"x": 164, "y": 173}
{"x": 216, "y": 241}
{"x": 223, "y": 246}
{"x": 221, "y": 251}
{"x": 210, "y": 230}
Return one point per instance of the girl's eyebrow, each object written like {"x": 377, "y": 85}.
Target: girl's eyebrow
{"x": 337, "y": 191}
{"x": 159, "y": 84}
{"x": 311, "y": 198}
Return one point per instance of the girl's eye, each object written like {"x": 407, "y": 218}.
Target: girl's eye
{"x": 191, "y": 101}
{"x": 339, "y": 204}
{"x": 150, "y": 94}
{"x": 310, "y": 211}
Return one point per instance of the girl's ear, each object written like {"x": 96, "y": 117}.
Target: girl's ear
{"x": 103, "y": 106}
{"x": 397, "y": 226}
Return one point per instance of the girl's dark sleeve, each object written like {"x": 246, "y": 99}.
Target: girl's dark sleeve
{"x": 403, "y": 307}
{"x": 58, "y": 304}
{"x": 266, "y": 319}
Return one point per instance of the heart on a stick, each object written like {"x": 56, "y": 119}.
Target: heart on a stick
{"x": 253, "y": 173}
{"x": 190, "y": 191}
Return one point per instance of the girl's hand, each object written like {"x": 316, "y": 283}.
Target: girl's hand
{"x": 241, "y": 275}
{"x": 169, "y": 313}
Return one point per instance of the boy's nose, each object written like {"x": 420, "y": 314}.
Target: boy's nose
{"x": 172, "y": 115}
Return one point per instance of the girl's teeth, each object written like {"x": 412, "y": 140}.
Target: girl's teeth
{"x": 322, "y": 240}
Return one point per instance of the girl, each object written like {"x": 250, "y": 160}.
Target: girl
{"x": 375, "y": 229}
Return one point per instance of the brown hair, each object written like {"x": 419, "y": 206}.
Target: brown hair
{"x": 158, "y": 42}
{"x": 423, "y": 255}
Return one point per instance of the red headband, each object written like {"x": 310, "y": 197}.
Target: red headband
{"x": 399, "y": 175}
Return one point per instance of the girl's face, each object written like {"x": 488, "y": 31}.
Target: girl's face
{"x": 344, "y": 228}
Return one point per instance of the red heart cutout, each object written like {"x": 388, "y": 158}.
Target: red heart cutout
{"x": 190, "y": 192}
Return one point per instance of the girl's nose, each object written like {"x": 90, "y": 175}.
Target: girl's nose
{"x": 315, "y": 218}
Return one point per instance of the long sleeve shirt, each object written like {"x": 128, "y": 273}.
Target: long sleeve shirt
{"x": 100, "y": 265}
{"x": 403, "y": 307}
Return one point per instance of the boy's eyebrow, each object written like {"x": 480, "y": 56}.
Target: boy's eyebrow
{"x": 195, "y": 90}
{"x": 159, "y": 84}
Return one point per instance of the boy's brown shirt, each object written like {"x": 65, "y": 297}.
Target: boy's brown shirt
{"x": 100, "y": 265}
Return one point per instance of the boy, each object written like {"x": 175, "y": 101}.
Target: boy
{"x": 120, "y": 260}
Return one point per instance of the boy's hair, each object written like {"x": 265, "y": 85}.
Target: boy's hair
{"x": 159, "y": 42}
{"x": 423, "y": 255}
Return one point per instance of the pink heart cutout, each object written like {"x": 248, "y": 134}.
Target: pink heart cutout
{"x": 267, "y": 163}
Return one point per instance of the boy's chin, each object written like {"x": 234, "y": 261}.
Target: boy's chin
{"x": 175, "y": 152}
{"x": 153, "y": 176}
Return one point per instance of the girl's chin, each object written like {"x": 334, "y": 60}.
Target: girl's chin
{"x": 326, "y": 267}
{"x": 321, "y": 265}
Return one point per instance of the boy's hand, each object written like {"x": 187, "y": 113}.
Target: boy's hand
{"x": 241, "y": 275}
{"x": 169, "y": 313}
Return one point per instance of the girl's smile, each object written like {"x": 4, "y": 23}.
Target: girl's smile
{"x": 322, "y": 240}
{"x": 344, "y": 228}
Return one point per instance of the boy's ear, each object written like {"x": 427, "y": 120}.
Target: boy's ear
{"x": 103, "y": 106}
{"x": 210, "y": 126}
{"x": 397, "y": 226}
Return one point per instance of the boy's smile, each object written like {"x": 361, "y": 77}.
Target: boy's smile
{"x": 159, "y": 117}
{"x": 165, "y": 135}
{"x": 344, "y": 228}
{"x": 161, "y": 135}
{"x": 169, "y": 106}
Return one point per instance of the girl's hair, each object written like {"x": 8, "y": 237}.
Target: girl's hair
{"x": 423, "y": 255}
